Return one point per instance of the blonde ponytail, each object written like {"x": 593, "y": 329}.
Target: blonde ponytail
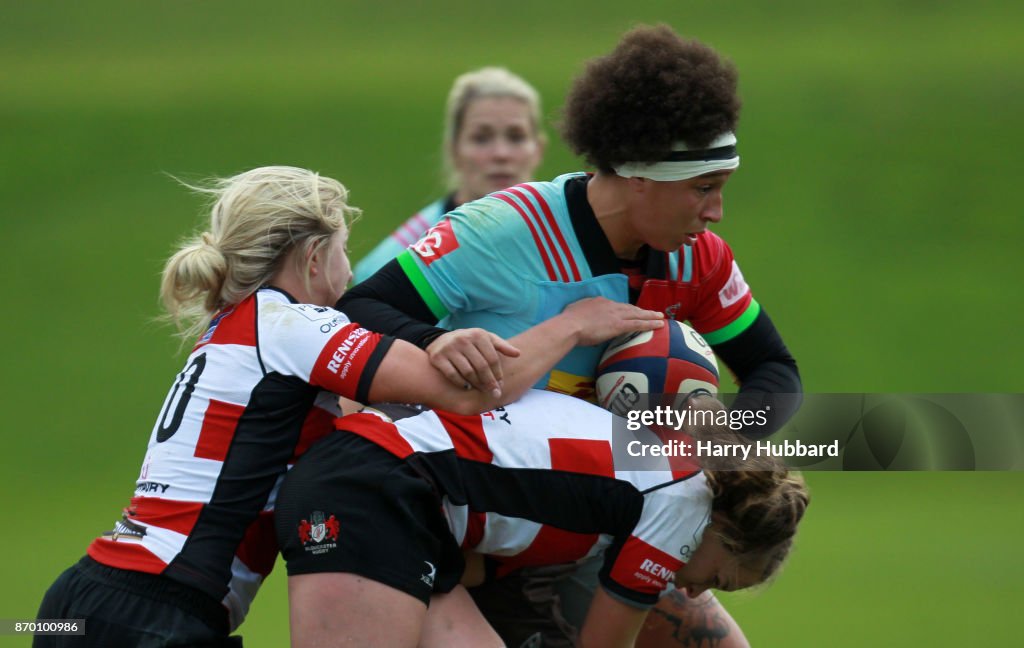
{"x": 256, "y": 218}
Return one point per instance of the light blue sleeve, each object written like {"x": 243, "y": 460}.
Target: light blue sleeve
{"x": 482, "y": 260}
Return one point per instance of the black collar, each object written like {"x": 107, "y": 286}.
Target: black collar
{"x": 280, "y": 290}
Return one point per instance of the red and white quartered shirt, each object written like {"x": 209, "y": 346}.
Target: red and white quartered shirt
{"x": 537, "y": 483}
{"x": 258, "y": 388}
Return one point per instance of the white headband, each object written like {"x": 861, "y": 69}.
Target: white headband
{"x": 683, "y": 162}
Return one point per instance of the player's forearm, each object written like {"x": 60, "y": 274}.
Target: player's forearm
{"x": 387, "y": 302}
{"x": 610, "y": 623}
{"x": 774, "y": 388}
{"x": 767, "y": 373}
{"x": 583, "y": 323}
{"x": 541, "y": 347}
{"x": 680, "y": 621}
{"x": 406, "y": 374}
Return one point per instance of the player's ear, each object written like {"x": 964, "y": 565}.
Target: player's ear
{"x": 315, "y": 254}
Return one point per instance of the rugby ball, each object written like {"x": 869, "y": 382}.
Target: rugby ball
{"x": 673, "y": 359}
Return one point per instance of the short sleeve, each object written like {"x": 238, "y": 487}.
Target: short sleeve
{"x": 725, "y": 305}
{"x": 473, "y": 260}
{"x": 321, "y": 346}
{"x": 641, "y": 565}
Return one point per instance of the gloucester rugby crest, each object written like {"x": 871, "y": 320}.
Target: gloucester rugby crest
{"x": 319, "y": 534}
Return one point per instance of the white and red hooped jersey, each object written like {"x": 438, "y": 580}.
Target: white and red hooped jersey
{"x": 259, "y": 387}
{"x": 537, "y": 483}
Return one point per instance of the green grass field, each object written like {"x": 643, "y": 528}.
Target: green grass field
{"x": 875, "y": 216}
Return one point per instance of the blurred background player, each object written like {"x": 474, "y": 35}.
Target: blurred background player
{"x": 656, "y": 118}
{"x": 196, "y": 541}
{"x": 492, "y": 139}
{"x": 428, "y": 502}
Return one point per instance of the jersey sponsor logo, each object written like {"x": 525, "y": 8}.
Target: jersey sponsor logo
{"x": 340, "y": 361}
{"x": 151, "y": 487}
{"x": 499, "y": 414}
{"x": 686, "y": 551}
{"x": 734, "y": 289}
{"x": 660, "y": 572}
{"x": 335, "y": 322}
{"x": 314, "y": 313}
{"x": 643, "y": 567}
{"x": 437, "y": 242}
{"x": 319, "y": 534}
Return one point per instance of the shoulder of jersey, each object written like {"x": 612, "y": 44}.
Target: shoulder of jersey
{"x": 276, "y": 309}
{"x": 432, "y": 212}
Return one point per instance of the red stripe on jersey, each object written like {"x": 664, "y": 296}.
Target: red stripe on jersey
{"x": 643, "y": 568}
{"x": 551, "y": 546}
{"x": 234, "y": 326}
{"x": 475, "y": 523}
{"x": 516, "y": 191}
{"x": 412, "y": 234}
{"x": 585, "y": 456}
{"x": 258, "y": 549}
{"x": 533, "y": 230}
{"x": 467, "y": 435}
{"x": 635, "y": 276}
{"x": 318, "y": 424}
{"x": 554, "y": 226}
{"x": 172, "y": 515}
{"x": 343, "y": 359}
{"x": 219, "y": 423}
{"x": 421, "y": 223}
{"x": 125, "y": 554}
{"x": 373, "y": 428}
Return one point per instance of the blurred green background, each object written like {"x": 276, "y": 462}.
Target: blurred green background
{"x": 875, "y": 217}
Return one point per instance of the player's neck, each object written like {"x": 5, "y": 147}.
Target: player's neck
{"x": 289, "y": 279}
{"x": 607, "y": 194}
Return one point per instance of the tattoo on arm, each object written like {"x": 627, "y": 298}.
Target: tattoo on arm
{"x": 689, "y": 623}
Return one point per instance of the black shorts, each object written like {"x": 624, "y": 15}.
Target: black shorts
{"x": 128, "y": 608}
{"x": 350, "y": 506}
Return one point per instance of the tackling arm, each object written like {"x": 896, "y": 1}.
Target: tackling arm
{"x": 767, "y": 374}
{"x": 388, "y": 302}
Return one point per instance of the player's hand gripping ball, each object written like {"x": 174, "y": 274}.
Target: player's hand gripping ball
{"x": 673, "y": 359}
